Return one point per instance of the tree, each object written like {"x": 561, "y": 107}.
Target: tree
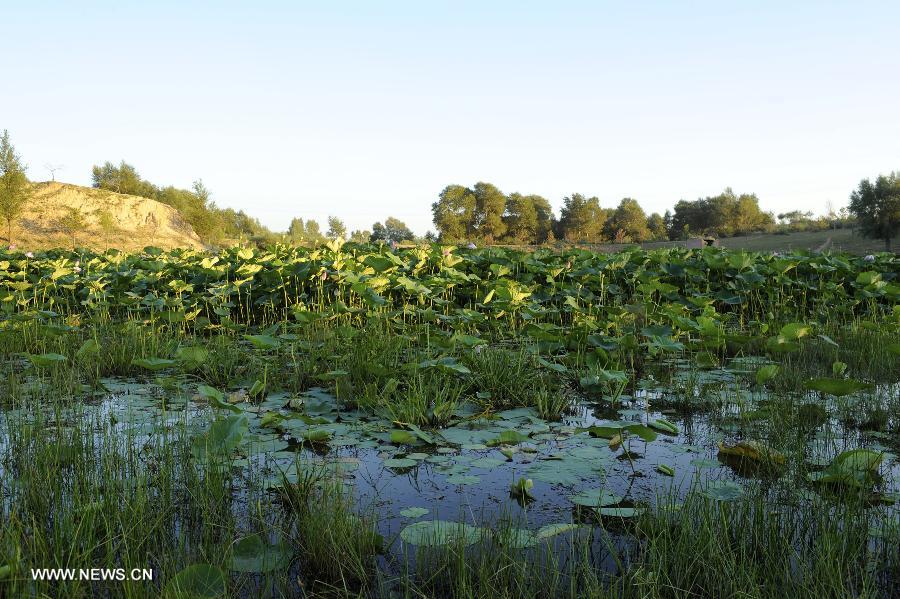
{"x": 360, "y": 236}
{"x": 313, "y": 232}
{"x": 336, "y": 228}
{"x": 14, "y": 186}
{"x": 628, "y": 222}
{"x": 122, "y": 179}
{"x": 656, "y": 225}
{"x": 73, "y": 221}
{"x": 454, "y": 213}
{"x": 393, "y": 230}
{"x": 581, "y": 219}
{"x": 490, "y": 204}
{"x": 296, "y": 230}
{"x": 521, "y": 219}
{"x": 876, "y": 207}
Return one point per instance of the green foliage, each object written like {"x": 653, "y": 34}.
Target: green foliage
{"x": 14, "y": 186}
{"x": 72, "y": 221}
{"x": 877, "y": 207}
{"x": 336, "y": 228}
{"x": 582, "y": 219}
{"x": 393, "y": 230}
{"x": 627, "y": 223}
{"x": 214, "y": 225}
{"x": 723, "y": 215}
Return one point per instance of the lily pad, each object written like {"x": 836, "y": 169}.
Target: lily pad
{"x": 414, "y": 512}
{"x": 595, "y": 498}
{"x": 197, "y": 581}
{"x": 723, "y": 490}
{"x": 253, "y": 554}
{"x": 439, "y": 532}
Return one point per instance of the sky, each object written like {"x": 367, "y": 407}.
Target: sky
{"x": 365, "y": 110}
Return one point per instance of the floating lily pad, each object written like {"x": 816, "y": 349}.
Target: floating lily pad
{"x": 440, "y": 532}
{"x": 723, "y": 490}
{"x": 253, "y": 554}
{"x": 198, "y": 581}
{"x": 595, "y": 498}
{"x": 414, "y": 512}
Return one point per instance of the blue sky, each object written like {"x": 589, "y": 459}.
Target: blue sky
{"x": 368, "y": 109}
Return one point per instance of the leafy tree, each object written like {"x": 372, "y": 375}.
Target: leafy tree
{"x": 581, "y": 219}
{"x": 521, "y": 219}
{"x": 656, "y": 225}
{"x": 628, "y": 222}
{"x": 336, "y": 228}
{"x": 454, "y": 213}
{"x": 14, "y": 186}
{"x": 360, "y": 236}
{"x": 296, "y": 230}
{"x": 667, "y": 219}
{"x": 122, "y": 179}
{"x": 106, "y": 221}
{"x": 725, "y": 214}
{"x": 393, "y": 230}
{"x": 876, "y": 207}
{"x": 313, "y": 232}
{"x": 73, "y": 221}
{"x": 545, "y": 218}
{"x": 211, "y": 223}
{"x": 490, "y": 204}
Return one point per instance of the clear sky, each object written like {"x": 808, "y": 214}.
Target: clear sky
{"x": 368, "y": 109}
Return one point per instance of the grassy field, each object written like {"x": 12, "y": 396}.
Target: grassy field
{"x": 356, "y": 421}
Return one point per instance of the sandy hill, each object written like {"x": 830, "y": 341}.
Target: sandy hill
{"x": 113, "y": 220}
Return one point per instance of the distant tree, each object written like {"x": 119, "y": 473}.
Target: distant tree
{"x": 876, "y": 207}
{"x": 14, "y": 186}
{"x": 336, "y": 228}
{"x": 546, "y": 220}
{"x": 490, "y": 204}
{"x": 656, "y": 225}
{"x": 122, "y": 179}
{"x": 521, "y": 219}
{"x": 106, "y": 221}
{"x": 454, "y": 213}
{"x": 628, "y": 223}
{"x": 794, "y": 216}
{"x": 725, "y": 214}
{"x": 72, "y": 221}
{"x": 360, "y": 236}
{"x": 296, "y": 231}
{"x": 667, "y": 219}
{"x": 392, "y": 230}
{"x": 581, "y": 219}
{"x": 313, "y": 232}
{"x": 52, "y": 168}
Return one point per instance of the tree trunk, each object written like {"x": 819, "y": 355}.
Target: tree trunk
{"x": 887, "y": 243}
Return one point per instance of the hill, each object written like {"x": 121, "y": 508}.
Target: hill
{"x": 112, "y": 220}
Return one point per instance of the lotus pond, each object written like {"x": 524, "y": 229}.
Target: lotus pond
{"x": 361, "y": 421}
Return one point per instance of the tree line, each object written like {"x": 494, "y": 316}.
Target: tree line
{"x": 482, "y": 213}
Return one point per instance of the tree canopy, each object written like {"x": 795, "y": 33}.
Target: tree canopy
{"x": 211, "y": 223}
{"x": 877, "y": 207}
{"x": 14, "y": 186}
